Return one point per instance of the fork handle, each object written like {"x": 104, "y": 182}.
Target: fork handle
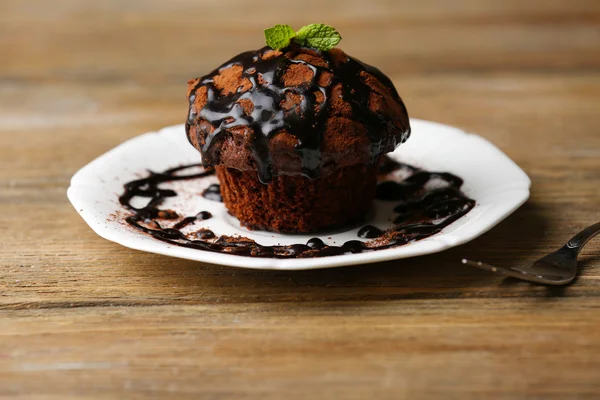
{"x": 578, "y": 241}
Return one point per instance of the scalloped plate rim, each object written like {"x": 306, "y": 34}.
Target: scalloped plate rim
{"x": 462, "y": 230}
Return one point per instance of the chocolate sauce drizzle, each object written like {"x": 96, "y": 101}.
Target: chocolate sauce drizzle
{"x": 427, "y": 203}
{"x": 307, "y": 124}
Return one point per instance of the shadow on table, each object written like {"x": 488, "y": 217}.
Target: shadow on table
{"x": 518, "y": 239}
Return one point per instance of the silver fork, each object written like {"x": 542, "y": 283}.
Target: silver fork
{"x": 558, "y": 268}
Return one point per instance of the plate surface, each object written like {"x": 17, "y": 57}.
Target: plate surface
{"x": 497, "y": 184}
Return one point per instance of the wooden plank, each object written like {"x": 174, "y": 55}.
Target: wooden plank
{"x": 108, "y": 40}
{"x": 326, "y": 350}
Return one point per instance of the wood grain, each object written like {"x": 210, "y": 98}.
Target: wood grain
{"x": 83, "y": 318}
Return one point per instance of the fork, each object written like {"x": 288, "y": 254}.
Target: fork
{"x": 558, "y": 268}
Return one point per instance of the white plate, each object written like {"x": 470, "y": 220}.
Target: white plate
{"x": 497, "y": 184}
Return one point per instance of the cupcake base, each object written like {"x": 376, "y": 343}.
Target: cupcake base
{"x": 294, "y": 204}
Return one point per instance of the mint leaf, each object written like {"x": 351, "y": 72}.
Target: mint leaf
{"x": 320, "y": 36}
{"x": 279, "y": 36}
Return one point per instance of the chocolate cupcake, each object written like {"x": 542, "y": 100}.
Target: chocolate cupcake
{"x": 295, "y": 135}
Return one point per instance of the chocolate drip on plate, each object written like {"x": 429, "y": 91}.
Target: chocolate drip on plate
{"x": 428, "y": 202}
{"x": 213, "y": 192}
{"x": 369, "y": 232}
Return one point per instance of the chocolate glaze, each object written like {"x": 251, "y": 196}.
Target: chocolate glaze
{"x": 308, "y": 125}
{"x": 428, "y": 203}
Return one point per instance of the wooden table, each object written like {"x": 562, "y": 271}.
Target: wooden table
{"x": 84, "y": 318}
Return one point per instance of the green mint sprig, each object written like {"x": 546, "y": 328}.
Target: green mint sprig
{"x": 279, "y": 36}
{"x": 319, "y": 36}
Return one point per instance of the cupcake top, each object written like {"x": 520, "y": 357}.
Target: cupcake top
{"x": 295, "y": 111}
